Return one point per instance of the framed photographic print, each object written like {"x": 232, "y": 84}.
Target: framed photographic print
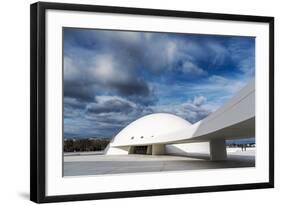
{"x": 129, "y": 102}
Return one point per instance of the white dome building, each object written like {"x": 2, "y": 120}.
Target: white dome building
{"x": 147, "y": 134}
{"x": 164, "y": 133}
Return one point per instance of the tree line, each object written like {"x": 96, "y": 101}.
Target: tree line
{"x": 84, "y": 145}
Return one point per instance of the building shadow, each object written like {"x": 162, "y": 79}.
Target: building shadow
{"x": 24, "y": 195}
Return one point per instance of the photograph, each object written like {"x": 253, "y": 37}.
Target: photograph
{"x": 133, "y": 102}
{"x": 142, "y": 101}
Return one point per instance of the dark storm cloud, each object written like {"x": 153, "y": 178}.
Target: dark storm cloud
{"x": 106, "y": 72}
{"x": 134, "y": 87}
{"x": 114, "y": 110}
{"x": 153, "y": 51}
{"x": 79, "y": 91}
{"x": 74, "y": 103}
{"x": 70, "y": 112}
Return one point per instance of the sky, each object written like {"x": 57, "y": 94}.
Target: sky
{"x": 112, "y": 78}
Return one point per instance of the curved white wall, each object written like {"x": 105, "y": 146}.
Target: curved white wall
{"x": 149, "y": 129}
{"x": 188, "y": 148}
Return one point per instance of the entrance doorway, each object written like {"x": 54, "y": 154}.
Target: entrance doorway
{"x": 140, "y": 149}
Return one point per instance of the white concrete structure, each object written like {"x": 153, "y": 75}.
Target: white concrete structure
{"x": 162, "y": 133}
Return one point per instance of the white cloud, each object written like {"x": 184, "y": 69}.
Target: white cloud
{"x": 220, "y": 53}
{"x": 199, "y": 100}
{"x": 191, "y": 110}
{"x": 244, "y": 55}
{"x": 126, "y": 37}
{"x": 105, "y": 69}
{"x": 247, "y": 66}
{"x": 70, "y": 70}
{"x": 190, "y": 68}
{"x": 226, "y": 85}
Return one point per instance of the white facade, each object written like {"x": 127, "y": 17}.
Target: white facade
{"x": 163, "y": 133}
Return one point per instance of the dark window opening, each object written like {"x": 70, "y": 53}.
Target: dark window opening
{"x": 140, "y": 150}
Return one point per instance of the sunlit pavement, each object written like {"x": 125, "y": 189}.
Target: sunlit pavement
{"x": 90, "y": 164}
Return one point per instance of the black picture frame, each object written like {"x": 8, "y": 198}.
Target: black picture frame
{"x": 38, "y": 100}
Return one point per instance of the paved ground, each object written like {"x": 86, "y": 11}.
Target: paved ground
{"x": 83, "y": 164}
